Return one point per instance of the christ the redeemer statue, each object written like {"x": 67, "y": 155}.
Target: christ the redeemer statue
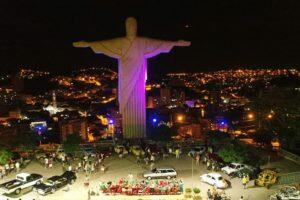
{"x": 132, "y": 53}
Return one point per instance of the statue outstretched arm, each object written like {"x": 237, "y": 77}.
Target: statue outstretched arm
{"x": 154, "y": 47}
{"x": 81, "y": 44}
{"x": 111, "y": 48}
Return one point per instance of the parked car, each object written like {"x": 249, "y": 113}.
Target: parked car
{"x": 251, "y": 172}
{"x": 106, "y": 151}
{"x": 137, "y": 150}
{"x": 70, "y": 176}
{"x": 55, "y": 183}
{"x": 89, "y": 152}
{"x": 153, "y": 149}
{"x": 22, "y": 181}
{"x": 232, "y": 167}
{"x": 214, "y": 179}
{"x": 196, "y": 151}
{"x": 266, "y": 178}
{"x": 286, "y": 193}
{"x": 165, "y": 172}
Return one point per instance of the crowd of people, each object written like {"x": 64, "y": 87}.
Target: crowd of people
{"x": 93, "y": 163}
{"x": 12, "y": 166}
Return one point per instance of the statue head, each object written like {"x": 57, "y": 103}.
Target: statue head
{"x": 131, "y": 27}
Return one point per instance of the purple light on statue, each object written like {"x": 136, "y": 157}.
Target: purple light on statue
{"x": 111, "y": 121}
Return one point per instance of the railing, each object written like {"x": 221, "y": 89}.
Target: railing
{"x": 290, "y": 156}
{"x": 289, "y": 178}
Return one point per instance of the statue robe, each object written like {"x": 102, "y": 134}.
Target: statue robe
{"x": 132, "y": 65}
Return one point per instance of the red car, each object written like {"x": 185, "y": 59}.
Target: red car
{"x": 106, "y": 151}
{"x": 153, "y": 149}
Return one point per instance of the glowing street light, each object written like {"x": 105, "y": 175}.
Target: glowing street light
{"x": 180, "y": 118}
{"x": 250, "y": 116}
{"x": 269, "y": 116}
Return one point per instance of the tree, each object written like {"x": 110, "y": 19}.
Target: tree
{"x": 5, "y": 156}
{"x": 216, "y": 136}
{"x": 285, "y": 122}
{"x": 263, "y": 137}
{"x": 162, "y": 133}
{"x": 72, "y": 143}
{"x": 27, "y": 141}
{"x": 234, "y": 153}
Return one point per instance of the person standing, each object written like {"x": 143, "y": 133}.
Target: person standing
{"x": 7, "y": 168}
{"x": 12, "y": 167}
{"x": 1, "y": 172}
{"x": 244, "y": 181}
{"x": 70, "y": 168}
{"x": 170, "y": 150}
{"x": 152, "y": 158}
{"x": 46, "y": 162}
{"x": 151, "y": 165}
{"x": 17, "y": 166}
{"x": 197, "y": 159}
{"x": 181, "y": 186}
{"x": 209, "y": 194}
{"x": 93, "y": 167}
{"x": 177, "y": 153}
{"x": 213, "y": 166}
{"x": 208, "y": 165}
{"x": 51, "y": 163}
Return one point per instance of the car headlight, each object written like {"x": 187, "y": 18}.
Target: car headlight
{"x": 41, "y": 191}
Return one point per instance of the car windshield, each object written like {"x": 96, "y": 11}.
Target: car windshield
{"x": 232, "y": 166}
{"x": 49, "y": 183}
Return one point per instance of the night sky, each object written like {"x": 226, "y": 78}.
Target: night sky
{"x": 224, "y": 33}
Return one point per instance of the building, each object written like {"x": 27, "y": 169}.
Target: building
{"x": 15, "y": 114}
{"x": 18, "y": 83}
{"x": 150, "y": 102}
{"x": 165, "y": 96}
{"x": 71, "y": 126}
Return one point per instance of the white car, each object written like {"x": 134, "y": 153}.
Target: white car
{"x": 233, "y": 167}
{"x": 166, "y": 172}
{"x": 214, "y": 179}
{"x": 196, "y": 150}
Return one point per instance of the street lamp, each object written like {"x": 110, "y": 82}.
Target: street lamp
{"x": 180, "y": 118}
{"x": 269, "y": 116}
{"x": 250, "y": 116}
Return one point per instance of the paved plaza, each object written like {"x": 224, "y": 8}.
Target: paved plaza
{"x": 118, "y": 168}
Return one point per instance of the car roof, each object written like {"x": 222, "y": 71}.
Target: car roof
{"x": 54, "y": 178}
{"x": 236, "y": 163}
{"x": 66, "y": 173}
{"x": 160, "y": 168}
{"x": 215, "y": 174}
{"x": 23, "y": 174}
